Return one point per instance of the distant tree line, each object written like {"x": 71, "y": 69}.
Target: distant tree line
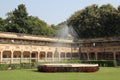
{"x": 96, "y": 21}
{"x": 92, "y": 22}
{"x": 19, "y": 21}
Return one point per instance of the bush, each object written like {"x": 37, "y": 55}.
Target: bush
{"x": 14, "y": 66}
{"x": 18, "y": 66}
{"x": 28, "y": 65}
{"x": 4, "y": 66}
{"x": 102, "y": 63}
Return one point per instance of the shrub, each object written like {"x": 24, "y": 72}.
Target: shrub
{"x": 102, "y": 63}
{"x": 4, "y": 66}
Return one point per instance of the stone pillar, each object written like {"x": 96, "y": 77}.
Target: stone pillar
{"x": 65, "y": 55}
{"x": 59, "y": 56}
{"x": 30, "y": 57}
{"x": 21, "y": 58}
{"x": 46, "y": 56}
{"x": 1, "y": 56}
{"x": 53, "y": 56}
{"x": 114, "y": 55}
{"x": 95, "y": 55}
{"x": 88, "y": 56}
{"x": 11, "y": 61}
{"x": 38, "y": 58}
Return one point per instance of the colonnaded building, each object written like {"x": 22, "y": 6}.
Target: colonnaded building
{"x": 19, "y": 48}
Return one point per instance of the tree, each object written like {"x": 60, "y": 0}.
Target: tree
{"x": 2, "y": 24}
{"x": 17, "y": 20}
{"x": 95, "y": 21}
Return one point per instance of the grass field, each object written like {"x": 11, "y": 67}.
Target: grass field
{"x": 106, "y": 73}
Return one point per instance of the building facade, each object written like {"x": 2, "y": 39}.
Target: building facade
{"x": 100, "y": 49}
{"x": 19, "y": 48}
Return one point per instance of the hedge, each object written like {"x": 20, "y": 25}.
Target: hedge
{"x": 18, "y": 66}
{"x": 101, "y": 63}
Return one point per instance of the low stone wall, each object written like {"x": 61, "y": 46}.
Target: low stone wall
{"x": 68, "y": 68}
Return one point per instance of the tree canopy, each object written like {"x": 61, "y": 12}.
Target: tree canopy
{"x": 92, "y": 22}
{"x": 95, "y": 21}
{"x": 19, "y": 21}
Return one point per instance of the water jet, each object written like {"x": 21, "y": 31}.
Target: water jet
{"x": 64, "y": 33}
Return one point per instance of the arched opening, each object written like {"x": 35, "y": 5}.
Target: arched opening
{"x": 83, "y": 56}
{"x": 62, "y": 55}
{"x": 118, "y": 58}
{"x": 42, "y": 55}
{"x": 49, "y": 55}
{"x": 16, "y": 56}
{"x": 68, "y": 55}
{"x": 26, "y": 56}
{"x": 92, "y": 56}
{"x": 75, "y": 56}
{"x": 6, "y": 56}
{"x": 105, "y": 56}
{"x": 34, "y": 56}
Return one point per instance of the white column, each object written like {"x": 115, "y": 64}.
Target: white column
{"x": 65, "y": 55}
{"x": 11, "y": 61}
{"x": 53, "y": 56}
{"x": 96, "y": 55}
{"x": 1, "y": 56}
{"x": 21, "y": 58}
{"x": 88, "y": 56}
{"x": 38, "y": 56}
{"x": 114, "y": 55}
{"x": 30, "y": 57}
{"x": 46, "y": 56}
{"x": 59, "y": 56}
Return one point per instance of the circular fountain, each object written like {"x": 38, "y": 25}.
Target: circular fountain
{"x": 65, "y": 33}
{"x": 68, "y": 67}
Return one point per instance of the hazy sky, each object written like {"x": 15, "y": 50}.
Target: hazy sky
{"x": 51, "y": 11}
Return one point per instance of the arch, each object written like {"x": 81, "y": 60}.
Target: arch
{"x": 56, "y": 54}
{"x": 26, "y": 54}
{"x": 42, "y": 55}
{"x": 6, "y": 56}
{"x": 75, "y": 55}
{"x": 16, "y": 54}
{"x": 49, "y": 54}
{"x": 83, "y": 56}
{"x": 92, "y": 55}
{"x": 34, "y": 56}
{"x": 62, "y": 55}
{"x": 68, "y": 55}
{"x": 118, "y": 58}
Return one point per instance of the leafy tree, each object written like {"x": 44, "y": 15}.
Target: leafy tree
{"x": 17, "y": 20}
{"x": 2, "y": 24}
{"x": 95, "y": 21}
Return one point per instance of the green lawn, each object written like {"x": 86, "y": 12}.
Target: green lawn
{"x": 106, "y": 73}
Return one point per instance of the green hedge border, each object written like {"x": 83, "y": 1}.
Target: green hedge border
{"x": 18, "y": 66}
{"x": 101, "y": 63}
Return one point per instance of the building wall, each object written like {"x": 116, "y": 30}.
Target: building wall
{"x": 17, "y": 48}
{"x": 100, "y": 49}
